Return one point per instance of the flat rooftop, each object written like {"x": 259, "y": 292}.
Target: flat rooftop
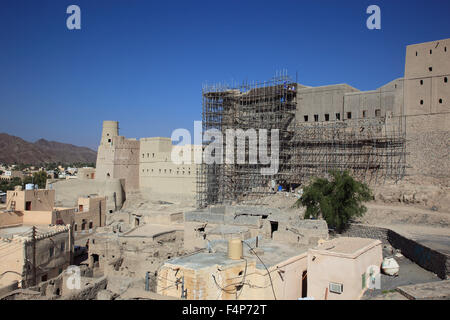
{"x": 25, "y": 230}
{"x": 151, "y": 230}
{"x": 271, "y": 253}
{"x": 11, "y": 231}
{"x": 347, "y": 245}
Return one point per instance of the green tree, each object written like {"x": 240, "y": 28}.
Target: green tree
{"x": 9, "y": 185}
{"x": 40, "y": 178}
{"x": 337, "y": 200}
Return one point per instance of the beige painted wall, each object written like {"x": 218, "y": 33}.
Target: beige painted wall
{"x": 12, "y": 259}
{"x": 37, "y": 217}
{"x": 326, "y": 266}
{"x": 41, "y": 200}
{"x": 10, "y": 218}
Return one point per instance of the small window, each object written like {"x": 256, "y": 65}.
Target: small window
{"x": 90, "y": 225}
{"x": 416, "y": 53}
{"x": 75, "y": 227}
{"x": 421, "y": 82}
{"x": 431, "y": 51}
{"x": 153, "y": 155}
{"x": 51, "y": 251}
{"x": 63, "y": 246}
{"x": 440, "y": 100}
{"x": 143, "y": 155}
{"x": 364, "y": 114}
{"x": 316, "y": 117}
{"x": 421, "y": 101}
{"x": 349, "y": 115}
{"x": 148, "y": 155}
{"x": 377, "y": 112}
{"x": 44, "y": 277}
{"x": 445, "y": 79}
{"x": 109, "y": 140}
{"x": 338, "y": 116}
{"x": 306, "y": 118}
{"x": 445, "y": 49}
{"x": 430, "y": 69}
{"x": 327, "y": 117}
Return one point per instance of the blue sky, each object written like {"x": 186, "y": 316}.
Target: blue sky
{"x": 143, "y": 62}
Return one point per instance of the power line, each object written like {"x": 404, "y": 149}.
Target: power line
{"x": 236, "y": 285}
{"x": 268, "y": 273}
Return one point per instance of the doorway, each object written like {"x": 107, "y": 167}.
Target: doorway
{"x": 273, "y": 227}
{"x": 304, "y": 284}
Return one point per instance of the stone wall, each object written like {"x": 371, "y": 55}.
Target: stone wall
{"x": 362, "y": 231}
{"x": 90, "y": 291}
{"x": 428, "y": 145}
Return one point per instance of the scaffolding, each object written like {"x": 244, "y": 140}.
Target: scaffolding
{"x": 371, "y": 149}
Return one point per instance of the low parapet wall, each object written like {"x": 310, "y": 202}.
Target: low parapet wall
{"x": 364, "y": 231}
{"x": 425, "y": 257}
{"x": 422, "y": 255}
{"x": 7, "y": 289}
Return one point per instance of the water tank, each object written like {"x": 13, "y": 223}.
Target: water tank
{"x": 29, "y": 186}
{"x": 235, "y": 250}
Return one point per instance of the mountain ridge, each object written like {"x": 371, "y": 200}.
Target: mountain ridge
{"x": 14, "y": 149}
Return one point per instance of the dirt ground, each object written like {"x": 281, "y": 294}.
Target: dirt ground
{"x": 415, "y": 207}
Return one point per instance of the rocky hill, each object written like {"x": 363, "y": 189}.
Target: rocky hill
{"x": 16, "y": 150}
